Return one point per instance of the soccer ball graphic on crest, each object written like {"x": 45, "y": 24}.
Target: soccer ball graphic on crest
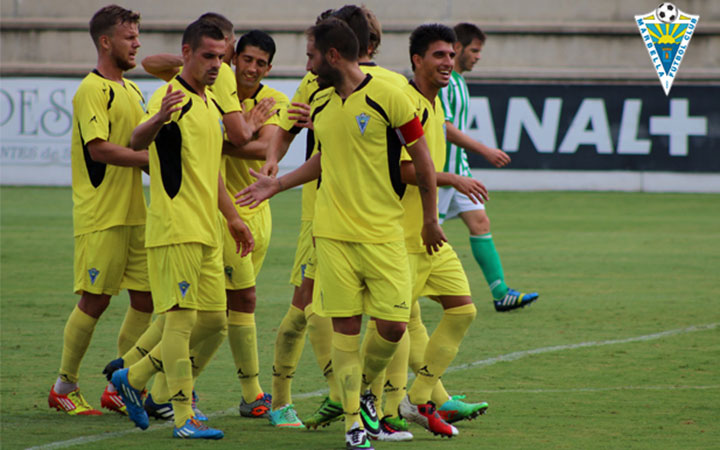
{"x": 666, "y": 12}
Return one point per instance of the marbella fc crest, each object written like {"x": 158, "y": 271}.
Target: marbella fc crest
{"x": 666, "y": 32}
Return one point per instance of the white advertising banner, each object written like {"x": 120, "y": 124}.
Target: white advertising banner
{"x": 36, "y": 128}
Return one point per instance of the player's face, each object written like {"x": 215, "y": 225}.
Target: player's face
{"x": 319, "y": 65}
{"x": 313, "y": 55}
{"x": 204, "y": 62}
{"x": 124, "y": 45}
{"x": 437, "y": 64}
{"x": 251, "y": 66}
{"x": 470, "y": 55}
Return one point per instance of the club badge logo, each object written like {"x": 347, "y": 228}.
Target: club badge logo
{"x": 666, "y": 32}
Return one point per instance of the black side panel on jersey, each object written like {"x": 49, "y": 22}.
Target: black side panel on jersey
{"x": 138, "y": 91}
{"x": 424, "y": 117}
{"x": 96, "y": 170}
{"x": 186, "y": 107}
{"x": 168, "y": 144}
{"x": 374, "y": 105}
{"x": 112, "y": 97}
{"x": 394, "y": 149}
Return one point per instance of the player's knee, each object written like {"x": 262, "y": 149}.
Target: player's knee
{"x": 93, "y": 304}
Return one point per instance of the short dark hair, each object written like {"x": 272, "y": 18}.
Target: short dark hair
{"x": 375, "y": 30}
{"x": 197, "y": 30}
{"x": 219, "y": 21}
{"x": 324, "y": 15}
{"x": 424, "y": 35}
{"x": 259, "y": 39}
{"x": 355, "y": 17}
{"x": 335, "y": 33}
{"x": 466, "y": 32}
{"x": 107, "y": 17}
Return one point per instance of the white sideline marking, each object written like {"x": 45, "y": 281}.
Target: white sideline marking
{"x": 485, "y": 362}
{"x": 602, "y": 389}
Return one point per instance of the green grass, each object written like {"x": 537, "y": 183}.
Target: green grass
{"x": 609, "y": 266}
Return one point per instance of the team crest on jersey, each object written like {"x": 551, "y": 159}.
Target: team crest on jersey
{"x": 666, "y": 32}
{"x": 362, "y": 121}
{"x": 93, "y": 274}
{"x": 183, "y": 285}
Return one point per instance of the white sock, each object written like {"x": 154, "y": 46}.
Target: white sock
{"x": 64, "y": 388}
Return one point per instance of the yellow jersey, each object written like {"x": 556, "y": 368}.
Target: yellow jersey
{"x": 105, "y": 195}
{"x": 432, "y": 118}
{"x": 360, "y": 139}
{"x": 236, "y": 170}
{"x": 308, "y": 92}
{"x": 184, "y": 166}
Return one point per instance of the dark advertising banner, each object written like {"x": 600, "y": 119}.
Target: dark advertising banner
{"x": 598, "y": 127}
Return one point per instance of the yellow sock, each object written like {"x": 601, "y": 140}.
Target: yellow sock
{"x": 175, "y": 345}
{"x": 418, "y": 338}
{"x": 439, "y": 394}
{"x": 288, "y": 349}
{"x": 140, "y": 373}
{"x": 346, "y": 364}
{"x": 376, "y": 387}
{"x": 395, "y": 384}
{"x": 377, "y": 355}
{"x": 210, "y": 331}
{"x": 134, "y": 325}
{"x": 78, "y": 332}
{"x": 160, "y": 391}
{"x": 149, "y": 339}
{"x": 320, "y": 333}
{"x": 242, "y": 336}
{"x": 441, "y": 350}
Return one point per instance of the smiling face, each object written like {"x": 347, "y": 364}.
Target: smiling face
{"x": 251, "y": 66}
{"x": 469, "y": 55}
{"x": 123, "y": 44}
{"x": 436, "y": 65}
{"x": 204, "y": 62}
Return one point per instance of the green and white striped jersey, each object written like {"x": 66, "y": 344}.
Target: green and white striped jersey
{"x": 455, "y": 100}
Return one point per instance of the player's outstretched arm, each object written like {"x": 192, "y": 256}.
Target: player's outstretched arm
{"x": 265, "y": 186}
{"x": 494, "y": 156}
{"x": 242, "y": 126}
{"x": 433, "y": 236}
{"x": 256, "y": 148}
{"x": 163, "y": 65}
{"x": 238, "y": 230}
{"x": 300, "y": 113}
{"x": 145, "y": 133}
{"x": 474, "y": 189}
{"x": 279, "y": 144}
{"x": 117, "y": 155}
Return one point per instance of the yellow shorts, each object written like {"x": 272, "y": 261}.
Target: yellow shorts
{"x": 355, "y": 278}
{"x": 189, "y": 275}
{"x": 241, "y": 273}
{"x": 304, "y": 265}
{"x": 439, "y": 274}
{"x": 109, "y": 260}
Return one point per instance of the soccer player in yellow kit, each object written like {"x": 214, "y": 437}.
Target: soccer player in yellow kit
{"x": 253, "y": 60}
{"x": 441, "y": 275}
{"x": 184, "y": 129}
{"x": 362, "y": 263}
{"x": 108, "y": 205}
{"x": 239, "y": 130}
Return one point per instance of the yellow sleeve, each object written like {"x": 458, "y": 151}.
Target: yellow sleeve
{"x": 91, "y": 109}
{"x": 225, "y": 90}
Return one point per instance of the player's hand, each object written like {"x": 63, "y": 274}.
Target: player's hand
{"x": 241, "y": 234}
{"x": 261, "y": 190}
{"x": 300, "y": 113}
{"x": 169, "y": 102}
{"x": 258, "y": 115}
{"x": 270, "y": 168}
{"x": 472, "y": 188}
{"x": 497, "y": 157}
{"x": 433, "y": 237}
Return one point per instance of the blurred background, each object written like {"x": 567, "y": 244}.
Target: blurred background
{"x": 587, "y": 54}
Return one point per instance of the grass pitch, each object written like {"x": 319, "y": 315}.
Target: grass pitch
{"x": 621, "y": 350}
